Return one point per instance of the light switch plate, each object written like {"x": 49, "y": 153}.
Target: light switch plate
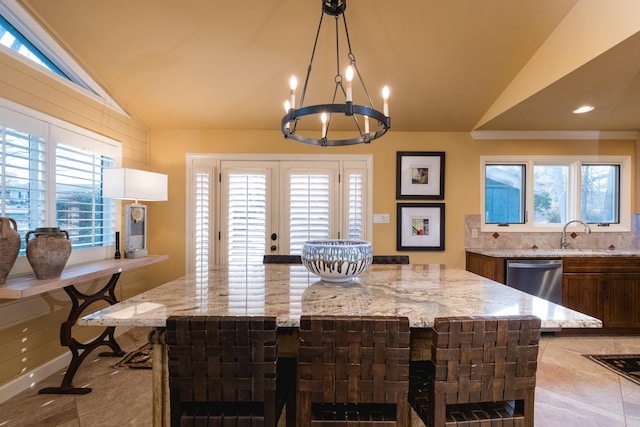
{"x": 381, "y": 218}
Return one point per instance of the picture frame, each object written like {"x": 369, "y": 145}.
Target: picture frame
{"x": 420, "y": 227}
{"x": 420, "y": 175}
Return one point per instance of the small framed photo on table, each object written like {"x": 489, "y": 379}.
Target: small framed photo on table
{"x": 420, "y": 227}
{"x": 420, "y": 175}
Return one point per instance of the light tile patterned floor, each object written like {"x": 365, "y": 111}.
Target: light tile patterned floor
{"x": 572, "y": 391}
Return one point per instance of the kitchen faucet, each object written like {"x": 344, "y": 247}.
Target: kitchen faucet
{"x": 564, "y": 243}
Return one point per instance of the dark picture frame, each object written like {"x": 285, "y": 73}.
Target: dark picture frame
{"x": 420, "y": 227}
{"x": 420, "y": 175}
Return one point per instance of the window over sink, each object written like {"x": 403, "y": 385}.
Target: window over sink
{"x": 542, "y": 193}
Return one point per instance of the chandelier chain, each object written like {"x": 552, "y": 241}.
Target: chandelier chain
{"x": 313, "y": 54}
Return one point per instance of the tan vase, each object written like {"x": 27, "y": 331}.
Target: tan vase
{"x": 9, "y": 246}
{"x": 48, "y": 252}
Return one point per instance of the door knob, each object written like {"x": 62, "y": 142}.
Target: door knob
{"x": 274, "y": 236}
{"x": 273, "y": 247}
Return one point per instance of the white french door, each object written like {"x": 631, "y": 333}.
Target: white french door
{"x": 273, "y": 204}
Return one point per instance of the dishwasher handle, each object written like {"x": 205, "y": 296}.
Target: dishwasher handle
{"x": 548, "y": 265}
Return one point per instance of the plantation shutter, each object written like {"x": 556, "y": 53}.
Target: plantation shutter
{"x": 202, "y": 188}
{"x": 80, "y": 209}
{"x": 246, "y": 210}
{"x": 271, "y": 204}
{"x": 22, "y": 171}
{"x": 247, "y": 213}
{"x": 310, "y": 203}
{"x": 51, "y": 176}
{"x": 308, "y": 209}
{"x": 355, "y": 177}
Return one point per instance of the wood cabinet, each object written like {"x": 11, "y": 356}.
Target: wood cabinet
{"x": 583, "y": 292}
{"x": 486, "y": 266}
{"x": 607, "y": 288}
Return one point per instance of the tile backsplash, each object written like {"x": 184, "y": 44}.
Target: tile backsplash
{"x": 491, "y": 240}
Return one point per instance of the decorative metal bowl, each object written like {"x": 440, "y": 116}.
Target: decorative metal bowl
{"x": 337, "y": 260}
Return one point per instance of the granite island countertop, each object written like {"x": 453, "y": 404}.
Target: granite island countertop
{"x": 554, "y": 253}
{"x": 421, "y": 292}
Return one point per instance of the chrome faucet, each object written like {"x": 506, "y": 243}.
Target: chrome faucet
{"x": 564, "y": 243}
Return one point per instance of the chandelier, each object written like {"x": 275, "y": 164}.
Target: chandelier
{"x": 365, "y": 121}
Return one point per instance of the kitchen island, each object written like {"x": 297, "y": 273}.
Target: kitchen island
{"x": 420, "y": 292}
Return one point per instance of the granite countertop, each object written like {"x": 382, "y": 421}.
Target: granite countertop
{"x": 421, "y": 292}
{"x": 554, "y": 253}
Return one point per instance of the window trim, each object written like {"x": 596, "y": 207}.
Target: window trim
{"x": 77, "y": 78}
{"x": 574, "y": 163}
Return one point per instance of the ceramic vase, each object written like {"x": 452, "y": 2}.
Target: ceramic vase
{"x": 48, "y": 252}
{"x": 9, "y": 246}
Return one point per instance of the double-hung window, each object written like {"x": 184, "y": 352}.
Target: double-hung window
{"x": 543, "y": 193}
{"x": 51, "y": 176}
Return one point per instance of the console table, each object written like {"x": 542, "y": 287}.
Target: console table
{"x": 26, "y": 286}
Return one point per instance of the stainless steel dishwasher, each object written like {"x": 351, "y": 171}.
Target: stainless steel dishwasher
{"x": 539, "y": 277}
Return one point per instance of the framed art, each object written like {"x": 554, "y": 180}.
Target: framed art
{"x": 420, "y": 175}
{"x": 420, "y": 227}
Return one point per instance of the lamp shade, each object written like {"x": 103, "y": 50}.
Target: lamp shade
{"x": 134, "y": 184}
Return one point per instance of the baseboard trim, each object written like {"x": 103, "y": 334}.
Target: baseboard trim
{"x": 32, "y": 378}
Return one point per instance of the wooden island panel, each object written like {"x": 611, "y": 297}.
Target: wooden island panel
{"x": 486, "y": 266}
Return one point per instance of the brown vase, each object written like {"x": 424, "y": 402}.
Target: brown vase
{"x": 48, "y": 252}
{"x": 9, "y": 246}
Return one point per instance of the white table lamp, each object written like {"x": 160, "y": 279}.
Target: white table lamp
{"x": 136, "y": 185}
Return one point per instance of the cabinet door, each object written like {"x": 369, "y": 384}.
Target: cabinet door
{"x": 485, "y": 266}
{"x": 583, "y": 292}
{"x": 622, "y": 307}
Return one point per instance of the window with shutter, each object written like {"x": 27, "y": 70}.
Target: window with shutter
{"x": 51, "y": 176}
{"x": 80, "y": 208}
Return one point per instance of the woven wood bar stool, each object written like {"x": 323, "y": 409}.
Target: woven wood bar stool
{"x": 390, "y": 259}
{"x": 353, "y": 371}
{"x": 482, "y": 372}
{"x": 225, "y": 370}
{"x": 281, "y": 259}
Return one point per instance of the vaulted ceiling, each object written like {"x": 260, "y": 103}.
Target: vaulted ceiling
{"x": 455, "y": 65}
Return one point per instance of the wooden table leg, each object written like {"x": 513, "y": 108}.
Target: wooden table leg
{"x": 161, "y": 407}
{"x": 79, "y": 351}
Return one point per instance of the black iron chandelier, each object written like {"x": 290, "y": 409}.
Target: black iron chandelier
{"x": 359, "y": 116}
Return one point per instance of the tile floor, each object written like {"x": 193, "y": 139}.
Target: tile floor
{"x": 571, "y": 390}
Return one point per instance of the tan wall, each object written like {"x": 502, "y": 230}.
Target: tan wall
{"x": 462, "y": 179}
{"x": 29, "y": 328}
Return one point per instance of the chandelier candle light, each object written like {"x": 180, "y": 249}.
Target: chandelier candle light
{"x": 359, "y": 115}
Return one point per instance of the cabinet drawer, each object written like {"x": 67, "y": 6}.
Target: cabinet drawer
{"x": 601, "y": 265}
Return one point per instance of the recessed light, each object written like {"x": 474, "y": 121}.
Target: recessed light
{"x": 583, "y": 109}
